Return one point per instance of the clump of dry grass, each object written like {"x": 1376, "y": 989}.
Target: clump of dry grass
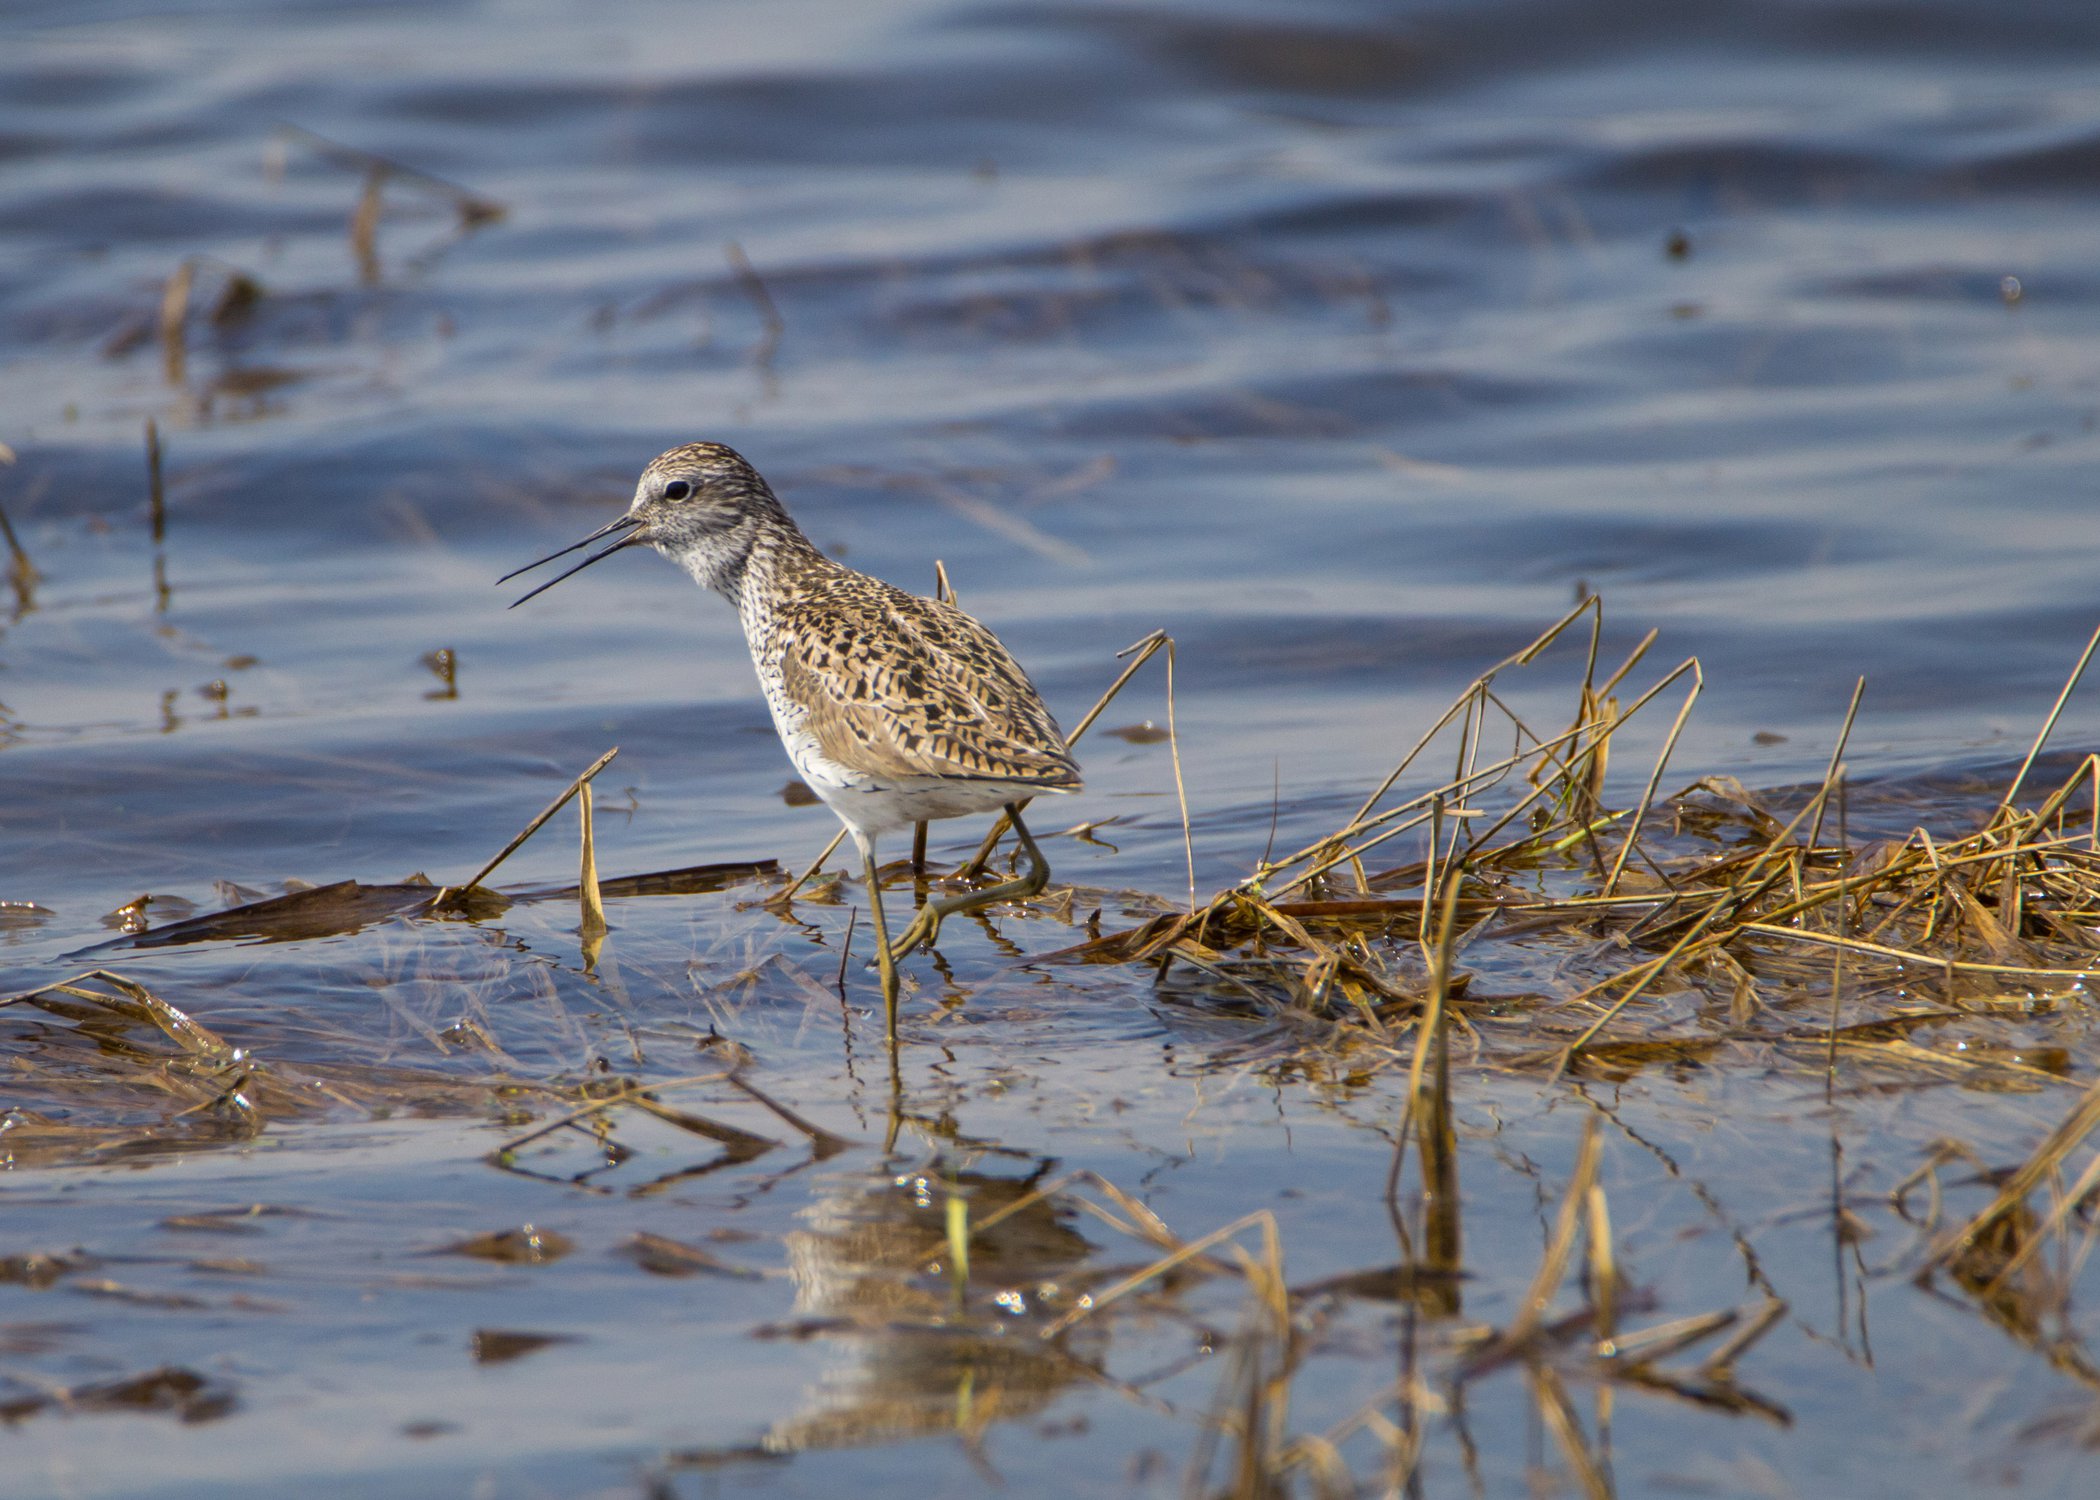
{"x": 1714, "y": 914}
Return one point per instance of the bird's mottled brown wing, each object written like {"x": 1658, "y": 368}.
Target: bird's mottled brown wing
{"x": 902, "y": 686}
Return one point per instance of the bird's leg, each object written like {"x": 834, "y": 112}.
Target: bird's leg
{"x": 885, "y": 960}
{"x": 926, "y": 926}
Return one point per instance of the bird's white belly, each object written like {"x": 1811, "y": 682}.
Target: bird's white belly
{"x": 877, "y": 805}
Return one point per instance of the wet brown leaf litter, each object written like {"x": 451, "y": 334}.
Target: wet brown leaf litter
{"x": 1529, "y": 930}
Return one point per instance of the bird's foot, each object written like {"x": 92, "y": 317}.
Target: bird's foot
{"x": 925, "y": 927}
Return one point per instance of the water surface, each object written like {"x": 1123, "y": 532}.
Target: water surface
{"x": 1348, "y": 344}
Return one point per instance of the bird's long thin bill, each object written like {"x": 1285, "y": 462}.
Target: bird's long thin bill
{"x": 618, "y": 523}
{"x": 599, "y": 556}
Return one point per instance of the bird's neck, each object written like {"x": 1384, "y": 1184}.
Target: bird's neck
{"x": 766, "y": 571}
{"x": 744, "y": 562}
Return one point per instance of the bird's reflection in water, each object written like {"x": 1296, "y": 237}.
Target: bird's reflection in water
{"x": 920, "y": 1349}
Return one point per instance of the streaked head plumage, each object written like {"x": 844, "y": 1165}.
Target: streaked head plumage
{"x": 697, "y": 480}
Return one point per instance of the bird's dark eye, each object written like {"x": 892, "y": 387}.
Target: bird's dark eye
{"x": 677, "y": 489}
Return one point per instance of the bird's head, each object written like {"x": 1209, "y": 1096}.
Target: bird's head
{"x": 696, "y": 504}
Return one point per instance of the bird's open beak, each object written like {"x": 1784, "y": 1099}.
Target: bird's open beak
{"x": 636, "y": 532}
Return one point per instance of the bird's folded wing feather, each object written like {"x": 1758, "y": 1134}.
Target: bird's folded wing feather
{"x": 938, "y": 697}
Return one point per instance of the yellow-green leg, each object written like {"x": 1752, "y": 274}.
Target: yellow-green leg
{"x": 926, "y": 926}
{"x": 885, "y": 959}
